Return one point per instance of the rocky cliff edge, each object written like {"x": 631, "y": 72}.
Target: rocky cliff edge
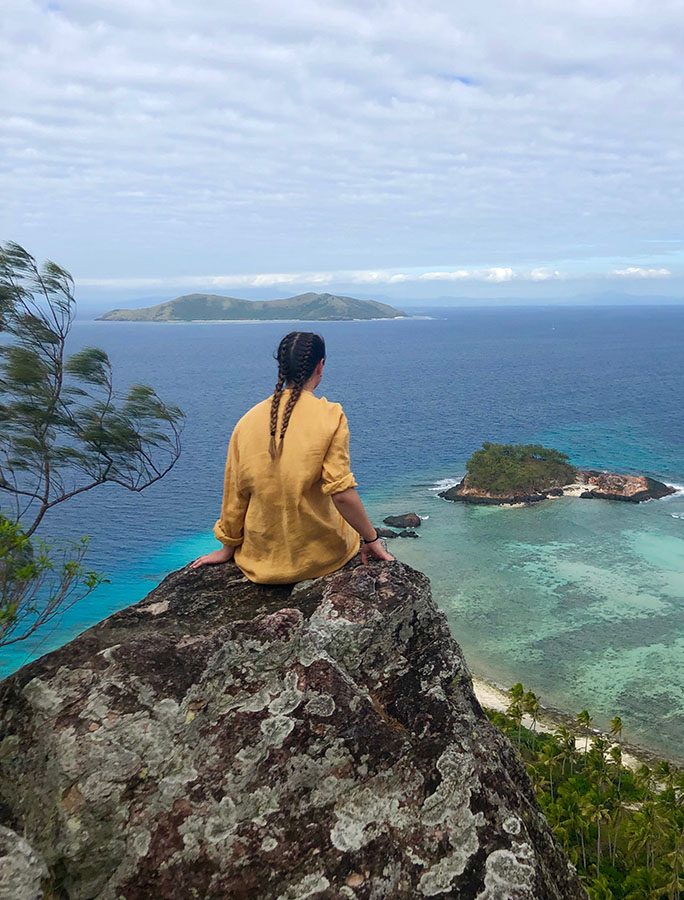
{"x": 225, "y": 740}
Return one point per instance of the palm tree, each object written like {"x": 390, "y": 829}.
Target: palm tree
{"x": 675, "y": 863}
{"x": 584, "y": 720}
{"x": 515, "y": 708}
{"x": 616, "y": 727}
{"x": 666, "y": 773}
{"x": 549, "y": 756}
{"x": 574, "y": 815}
{"x": 643, "y": 830}
{"x": 517, "y": 692}
{"x": 618, "y": 810}
{"x": 531, "y": 705}
{"x": 568, "y": 752}
{"x": 643, "y": 777}
{"x": 595, "y": 807}
{"x": 642, "y": 884}
{"x": 600, "y": 889}
{"x": 595, "y": 759}
{"x": 615, "y": 754}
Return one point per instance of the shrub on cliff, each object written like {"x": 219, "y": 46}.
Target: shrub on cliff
{"x": 38, "y": 581}
{"x": 524, "y": 468}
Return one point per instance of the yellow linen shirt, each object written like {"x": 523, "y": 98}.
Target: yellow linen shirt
{"x": 279, "y": 514}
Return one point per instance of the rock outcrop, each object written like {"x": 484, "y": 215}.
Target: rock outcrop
{"x": 225, "y": 740}
{"x": 407, "y": 520}
{"x": 632, "y": 488}
{"x": 22, "y": 872}
{"x": 466, "y": 494}
{"x": 387, "y": 533}
{"x": 588, "y": 485}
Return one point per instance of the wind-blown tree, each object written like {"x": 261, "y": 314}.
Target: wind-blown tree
{"x": 63, "y": 431}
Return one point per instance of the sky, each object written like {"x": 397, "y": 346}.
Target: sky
{"x": 424, "y": 151}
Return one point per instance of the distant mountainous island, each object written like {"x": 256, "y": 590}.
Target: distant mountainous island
{"x": 212, "y": 307}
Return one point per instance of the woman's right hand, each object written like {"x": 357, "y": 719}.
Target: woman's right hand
{"x": 374, "y": 550}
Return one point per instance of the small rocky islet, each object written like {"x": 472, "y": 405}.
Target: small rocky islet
{"x": 506, "y": 474}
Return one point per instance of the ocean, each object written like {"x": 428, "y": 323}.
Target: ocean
{"x": 581, "y": 600}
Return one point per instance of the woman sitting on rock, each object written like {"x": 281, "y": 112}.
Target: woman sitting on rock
{"x": 290, "y": 508}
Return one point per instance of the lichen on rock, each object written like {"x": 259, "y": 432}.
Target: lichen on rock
{"x": 223, "y": 739}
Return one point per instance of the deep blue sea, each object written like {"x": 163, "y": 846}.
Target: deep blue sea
{"x": 581, "y": 600}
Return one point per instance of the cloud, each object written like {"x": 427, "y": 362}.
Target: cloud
{"x": 168, "y": 138}
{"x": 638, "y": 272}
{"x": 368, "y": 277}
{"x": 542, "y": 274}
{"x": 272, "y": 279}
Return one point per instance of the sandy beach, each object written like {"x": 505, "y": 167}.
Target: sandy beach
{"x": 549, "y": 718}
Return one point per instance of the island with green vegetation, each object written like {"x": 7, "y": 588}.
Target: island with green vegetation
{"x": 309, "y": 307}
{"x": 527, "y": 473}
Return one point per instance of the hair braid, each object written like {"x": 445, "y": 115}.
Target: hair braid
{"x": 283, "y": 349}
{"x": 302, "y": 374}
{"x": 275, "y": 403}
{"x": 296, "y": 353}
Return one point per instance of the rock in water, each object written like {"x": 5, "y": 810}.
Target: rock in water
{"x": 226, "y": 740}
{"x": 407, "y": 520}
{"x": 631, "y": 488}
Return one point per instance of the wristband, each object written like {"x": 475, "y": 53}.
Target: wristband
{"x": 376, "y": 538}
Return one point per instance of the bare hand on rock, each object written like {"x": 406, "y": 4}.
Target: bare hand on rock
{"x": 225, "y": 554}
{"x": 374, "y": 550}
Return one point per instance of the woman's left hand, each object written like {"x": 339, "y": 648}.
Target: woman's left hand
{"x": 225, "y": 554}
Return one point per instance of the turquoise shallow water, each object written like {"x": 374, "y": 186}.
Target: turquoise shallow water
{"x": 581, "y": 600}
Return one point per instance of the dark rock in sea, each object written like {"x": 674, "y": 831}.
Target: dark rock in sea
{"x": 407, "y": 533}
{"x": 630, "y": 488}
{"x": 408, "y": 520}
{"x": 222, "y": 739}
{"x": 464, "y": 493}
{"x": 387, "y": 533}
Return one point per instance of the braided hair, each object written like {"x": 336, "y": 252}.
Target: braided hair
{"x": 298, "y": 354}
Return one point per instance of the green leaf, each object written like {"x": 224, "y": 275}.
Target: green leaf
{"x": 90, "y": 365}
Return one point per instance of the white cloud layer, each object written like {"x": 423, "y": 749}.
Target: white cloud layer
{"x": 363, "y": 277}
{"x": 638, "y": 272}
{"x": 162, "y": 139}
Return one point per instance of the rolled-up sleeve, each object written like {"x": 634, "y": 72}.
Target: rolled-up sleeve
{"x": 229, "y": 527}
{"x": 337, "y": 475}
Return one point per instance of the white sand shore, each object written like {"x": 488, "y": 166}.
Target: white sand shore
{"x": 574, "y": 490}
{"x": 493, "y": 697}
